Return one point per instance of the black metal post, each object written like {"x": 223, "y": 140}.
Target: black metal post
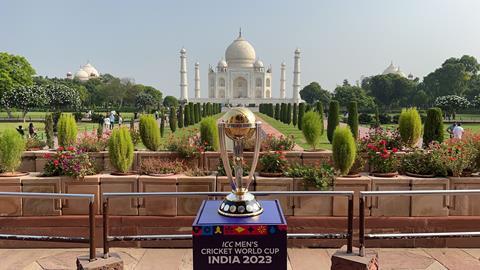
{"x": 105, "y": 228}
{"x": 361, "y": 230}
{"x": 91, "y": 217}
{"x": 350, "y": 225}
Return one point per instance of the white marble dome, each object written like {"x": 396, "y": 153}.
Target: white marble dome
{"x": 222, "y": 63}
{"x": 258, "y": 64}
{"x": 390, "y": 69}
{"x": 240, "y": 53}
{"x": 82, "y": 75}
{"x": 91, "y": 71}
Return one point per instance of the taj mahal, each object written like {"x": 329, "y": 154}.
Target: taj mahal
{"x": 240, "y": 78}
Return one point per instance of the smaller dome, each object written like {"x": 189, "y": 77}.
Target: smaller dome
{"x": 90, "y": 70}
{"x": 258, "y": 64}
{"x": 297, "y": 50}
{"x": 81, "y": 75}
{"x": 222, "y": 63}
{"x": 399, "y": 72}
{"x": 197, "y": 64}
{"x": 390, "y": 69}
{"x": 283, "y": 64}
{"x": 69, "y": 73}
{"x": 183, "y": 50}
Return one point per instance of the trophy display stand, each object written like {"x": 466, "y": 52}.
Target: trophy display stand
{"x": 238, "y": 243}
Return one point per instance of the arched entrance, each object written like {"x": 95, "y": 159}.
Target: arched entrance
{"x": 240, "y": 88}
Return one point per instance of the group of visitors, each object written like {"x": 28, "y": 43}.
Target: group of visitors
{"x": 32, "y": 132}
{"x": 109, "y": 120}
{"x": 456, "y": 130}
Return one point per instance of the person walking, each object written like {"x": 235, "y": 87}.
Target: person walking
{"x": 450, "y": 129}
{"x": 458, "y": 131}
{"x": 106, "y": 121}
{"x": 120, "y": 119}
{"x": 112, "y": 120}
{"x": 31, "y": 131}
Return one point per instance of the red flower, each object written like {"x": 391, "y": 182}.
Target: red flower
{"x": 383, "y": 142}
{"x": 47, "y": 155}
{"x": 55, "y": 162}
{"x": 394, "y": 150}
{"x": 60, "y": 148}
{"x": 71, "y": 148}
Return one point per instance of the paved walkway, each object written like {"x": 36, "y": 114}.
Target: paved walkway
{"x": 299, "y": 259}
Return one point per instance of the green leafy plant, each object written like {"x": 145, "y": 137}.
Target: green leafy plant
{"x": 311, "y": 129}
{"x": 410, "y": 126}
{"x": 187, "y": 145}
{"x": 34, "y": 143}
{"x": 295, "y": 114}
{"x": 67, "y": 130}
{"x": 277, "y": 111}
{"x": 273, "y": 143}
{"x": 120, "y": 149}
{"x": 273, "y": 162}
{"x": 149, "y": 132}
{"x": 289, "y": 114}
{"x": 209, "y": 133}
{"x": 49, "y": 130}
{"x": 172, "y": 121}
{"x": 380, "y": 158}
{"x": 353, "y": 118}
{"x": 301, "y": 113}
{"x": 344, "y": 149}
{"x": 12, "y": 146}
{"x": 456, "y": 155}
{"x": 162, "y": 125}
{"x": 321, "y": 176}
{"x": 69, "y": 161}
{"x": 433, "y": 128}
{"x": 180, "y": 117}
{"x": 422, "y": 163}
{"x": 186, "y": 115}
{"x": 333, "y": 119}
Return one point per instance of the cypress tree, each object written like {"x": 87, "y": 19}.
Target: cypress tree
{"x": 295, "y": 114}
{"x": 308, "y": 108}
{"x": 433, "y": 126}
{"x": 277, "y": 111}
{"x": 172, "y": 121}
{"x": 162, "y": 125}
{"x": 186, "y": 115}
{"x": 191, "y": 116}
{"x": 271, "y": 109}
{"x": 289, "y": 113}
{"x": 180, "y": 117}
{"x": 196, "y": 116}
{"x": 204, "y": 110}
{"x": 333, "y": 120}
{"x": 49, "y": 130}
{"x": 377, "y": 117}
{"x": 301, "y": 112}
{"x": 319, "y": 109}
{"x": 353, "y": 118}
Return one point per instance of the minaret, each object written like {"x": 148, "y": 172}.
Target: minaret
{"x": 296, "y": 77}
{"x": 282, "y": 80}
{"x": 183, "y": 75}
{"x": 197, "y": 80}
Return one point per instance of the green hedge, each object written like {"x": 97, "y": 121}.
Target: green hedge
{"x": 150, "y": 132}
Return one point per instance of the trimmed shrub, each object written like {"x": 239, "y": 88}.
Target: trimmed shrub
{"x": 172, "y": 121}
{"x": 277, "y": 111}
{"x": 209, "y": 109}
{"x": 319, "y": 109}
{"x": 301, "y": 112}
{"x": 289, "y": 113}
{"x": 12, "y": 146}
{"x": 433, "y": 127}
{"x": 191, "y": 114}
{"x": 186, "y": 116}
{"x": 120, "y": 149}
{"x": 295, "y": 114}
{"x": 344, "y": 149}
{"x": 365, "y": 119}
{"x": 49, "y": 130}
{"x": 333, "y": 120}
{"x": 308, "y": 107}
{"x": 410, "y": 126}
{"x": 311, "y": 129}
{"x": 149, "y": 132}
{"x": 353, "y": 118}
{"x": 180, "y": 116}
{"x": 162, "y": 125}
{"x": 209, "y": 133}
{"x": 67, "y": 130}
{"x": 377, "y": 117}
{"x": 204, "y": 110}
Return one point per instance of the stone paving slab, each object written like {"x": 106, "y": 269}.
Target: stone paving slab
{"x": 299, "y": 259}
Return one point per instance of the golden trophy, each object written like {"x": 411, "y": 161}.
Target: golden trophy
{"x": 239, "y": 124}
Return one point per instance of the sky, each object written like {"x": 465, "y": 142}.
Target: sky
{"x": 339, "y": 39}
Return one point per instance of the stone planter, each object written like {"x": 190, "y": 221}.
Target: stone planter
{"x": 99, "y": 161}
{"x": 340, "y": 204}
{"x": 465, "y": 205}
{"x": 10, "y": 206}
{"x": 391, "y": 206}
{"x": 28, "y": 162}
{"x": 311, "y": 205}
{"x": 41, "y": 207}
{"x": 189, "y": 206}
{"x": 316, "y": 158}
{"x": 124, "y": 183}
{"x": 430, "y": 205}
{"x": 211, "y": 160}
{"x": 40, "y": 160}
{"x": 88, "y": 185}
{"x": 294, "y": 157}
{"x": 140, "y": 155}
{"x": 159, "y": 206}
{"x": 276, "y": 184}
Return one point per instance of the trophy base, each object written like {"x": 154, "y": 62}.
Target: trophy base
{"x": 240, "y": 206}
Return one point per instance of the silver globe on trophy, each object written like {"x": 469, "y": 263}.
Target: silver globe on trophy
{"x": 239, "y": 125}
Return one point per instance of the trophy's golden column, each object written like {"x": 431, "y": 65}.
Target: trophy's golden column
{"x": 239, "y": 125}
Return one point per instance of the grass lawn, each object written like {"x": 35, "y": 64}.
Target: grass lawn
{"x": 289, "y": 130}
{"x": 472, "y": 127}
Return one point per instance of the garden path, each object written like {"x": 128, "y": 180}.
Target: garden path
{"x": 268, "y": 129}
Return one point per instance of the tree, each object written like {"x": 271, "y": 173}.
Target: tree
{"x": 283, "y": 113}
{"x": 180, "y": 116}
{"x": 289, "y": 113}
{"x": 390, "y": 89}
{"x": 170, "y": 101}
{"x": 144, "y": 102}
{"x": 295, "y": 114}
{"x": 451, "y": 104}
{"x": 191, "y": 114}
{"x": 15, "y": 72}
{"x": 433, "y": 126}
{"x": 61, "y": 97}
{"x": 410, "y": 126}
{"x": 301, "y": 112}
{"x": 277, "y": 111}
{"x": 186, "y": 114}
{"x": 314, "y": 92}
{"x": 353, "y": 118}
{"x": 319, "y": 110}
{"x": 25, "y": 98}
{"x": 172, "y": 120}
{"x": 346, "y": 93}
{"x": 204, "y": 110}
{"x": 333, "y": 119}
{"x": 49, "y": 130}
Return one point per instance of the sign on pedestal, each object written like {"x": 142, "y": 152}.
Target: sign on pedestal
{"x": 258, "y": 242}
